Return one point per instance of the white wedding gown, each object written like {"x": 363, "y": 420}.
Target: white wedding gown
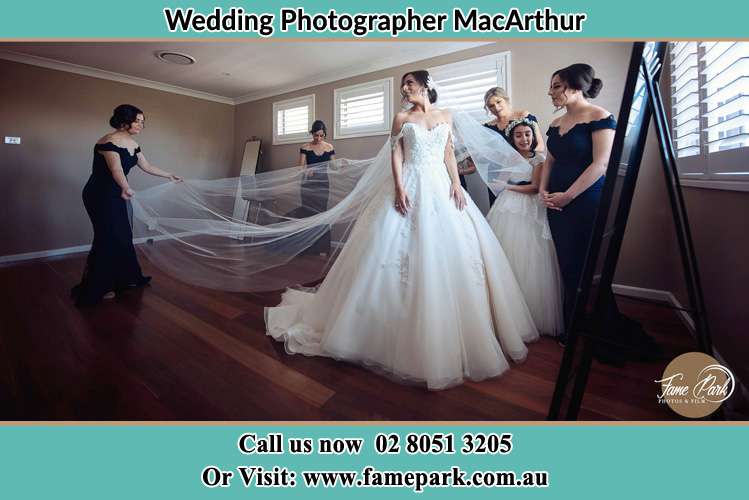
{"x": 426, "y": 298}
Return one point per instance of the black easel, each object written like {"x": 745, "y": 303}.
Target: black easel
{"x": 642, "y": 82}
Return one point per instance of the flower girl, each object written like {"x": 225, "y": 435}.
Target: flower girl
{"x": 518, "y": 218}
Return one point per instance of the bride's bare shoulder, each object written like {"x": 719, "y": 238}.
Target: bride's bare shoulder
{"x": 443, "y": 114}
{"x": 400, "y": 118}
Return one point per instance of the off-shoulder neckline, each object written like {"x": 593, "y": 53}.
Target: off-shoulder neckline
{"x": 424, "y": 127}
{"x": 315, "y": 153}
{"x": 133, "y": 153}
{"x": 558, "y": 129}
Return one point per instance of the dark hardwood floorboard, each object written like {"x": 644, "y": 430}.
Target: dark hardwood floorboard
{"x": 177, "y": 352}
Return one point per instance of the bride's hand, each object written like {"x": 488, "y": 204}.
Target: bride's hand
{"x": 402, "y": 203}
{"x": 456, "y": 193}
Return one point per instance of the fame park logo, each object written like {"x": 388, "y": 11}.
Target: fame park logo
{"x": 694, "y": 385}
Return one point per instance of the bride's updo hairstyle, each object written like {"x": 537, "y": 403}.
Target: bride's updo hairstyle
{"x": 124, "y": 115}
{"x": 422, "y": 76}
{"x": 582, "y": 77}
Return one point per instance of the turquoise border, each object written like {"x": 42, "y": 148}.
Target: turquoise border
{"x": 165, "y": 461}
{"x": 634, "y": 19}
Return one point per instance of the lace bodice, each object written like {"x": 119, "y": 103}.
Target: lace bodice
{"x": 534, "y": 161}
{"x": 425, "y": 146}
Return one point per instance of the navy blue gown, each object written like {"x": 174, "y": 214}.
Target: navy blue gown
{"x": 572, "y": 227}
{"x": 315, "y": 190}
{"x": 111, "y": 264}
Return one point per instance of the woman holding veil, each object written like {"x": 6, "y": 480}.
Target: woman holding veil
{"x": 422, "y": 291}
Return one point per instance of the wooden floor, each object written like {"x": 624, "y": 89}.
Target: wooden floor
{"x": 176, "y": 352}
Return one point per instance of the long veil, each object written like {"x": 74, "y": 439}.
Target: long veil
{"x": 261, "y": 232}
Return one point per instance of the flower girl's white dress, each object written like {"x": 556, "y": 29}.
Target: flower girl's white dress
{"x": 519, "y": 221}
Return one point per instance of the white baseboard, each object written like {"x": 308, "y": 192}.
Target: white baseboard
{"x": 56, "y": 252}
{"x": 20, "y": 257}
{"x": 660, "y": 296}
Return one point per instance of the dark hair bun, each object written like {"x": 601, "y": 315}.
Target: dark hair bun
{"x": 581, "y": 77}
{"x": 432, "y": 93}
{"x": 124, "y": 115}
{"x": 595, "y": 88}
{"x": 319, "y": 125}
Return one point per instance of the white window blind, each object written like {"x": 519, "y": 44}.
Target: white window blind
{"x": 710, "y": 109}
{"x": 463, "y": 84}
{"x": 726, "y": 73}
{"x": 292, "y": 119}
{"x": 686, "y": 98}
{"x": 364, "y": 109}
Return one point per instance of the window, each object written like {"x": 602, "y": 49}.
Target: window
{"x": 292, "y": 119}
{"x": 710, "y": 109}
{"x": 363, "y": 110}
{"x": 463, "y": 84}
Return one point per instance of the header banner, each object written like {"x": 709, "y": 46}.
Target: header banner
{"x": 384, "y": 20}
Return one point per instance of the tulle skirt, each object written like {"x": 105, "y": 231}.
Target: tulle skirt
{"x": 429, "y": 298}
{"x": 520, "y": 224}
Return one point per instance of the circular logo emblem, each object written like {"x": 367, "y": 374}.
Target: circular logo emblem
{"x": 694, "y": 385}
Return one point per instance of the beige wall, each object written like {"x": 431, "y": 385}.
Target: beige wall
{"x": 532, "y": 66}
{"x": 59, "y": 116}
{"x": 650, "y": 252}
{"x": 720, "y": 231}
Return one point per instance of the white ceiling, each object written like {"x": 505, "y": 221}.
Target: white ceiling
{"x": 255, "y": 69}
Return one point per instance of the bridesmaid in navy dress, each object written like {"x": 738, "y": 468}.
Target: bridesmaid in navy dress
{"x": 112, "y": 265}
{"x": 579, "y": 144}
{"x": 316, "y": 185}
{"x": 497, "y": 102}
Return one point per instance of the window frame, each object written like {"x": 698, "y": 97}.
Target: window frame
{"x": 706, "y": 169}
{"x": 502, "y": 62}
{"x": 384, "y": 129}
{"x": 296, "y": 138}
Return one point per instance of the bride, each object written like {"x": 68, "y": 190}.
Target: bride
{"x": 422, "y": 291}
